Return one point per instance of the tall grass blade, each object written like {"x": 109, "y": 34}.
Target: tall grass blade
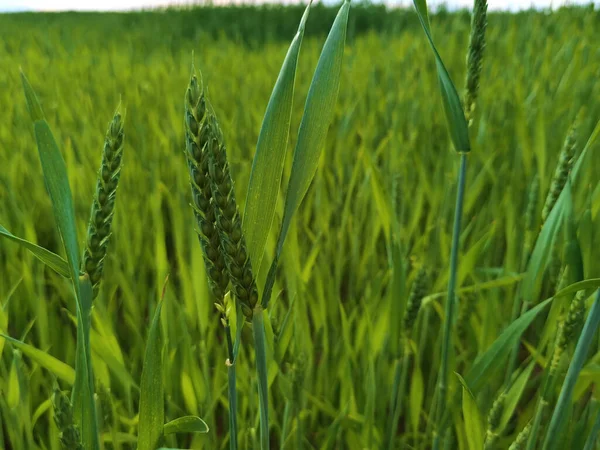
{"x": 457, "y": 123}
{"x": 318, "y": 114}
{"x": 152, "y": 406}
{"x": 267, "y": 166}
{"x": 56, "y": 180}
{"x": 566, "y": 393}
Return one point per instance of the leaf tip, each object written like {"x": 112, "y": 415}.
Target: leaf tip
{"x": 33, "y": 105}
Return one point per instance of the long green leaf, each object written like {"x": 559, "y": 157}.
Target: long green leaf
{"x": 187, "y": 424}
{"x": 318, "y": 114}
{"x": 52, "y": 260}
{"x": 591, "y": 283}
{"x": 457, "y": 124}
{"x": 495, "y": 355}
{"x": 48, "y": 362}
{"x": 267, "y": 167}
{"x": 473, "y": 419}
{"x": 57, "y": 182}
{"x": 152, "y": 406}
{"x": 566, "y": 393}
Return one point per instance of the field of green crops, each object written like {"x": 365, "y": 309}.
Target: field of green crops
{"x": 377, "y": 217}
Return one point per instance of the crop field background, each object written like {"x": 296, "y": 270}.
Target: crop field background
{"x": 379, "y": 211}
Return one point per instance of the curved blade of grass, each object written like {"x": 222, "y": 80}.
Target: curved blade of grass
{"x": 267, "y": 166}
{"x": 495, "y": 356}
{"x": 52, "y": 260}
{"x": 566, "y": 393}
{"x": 317, "y": 116}
{"x": 152, "y": 402}
{"x": 48, "y": 362}
{"x": 457, "y": 124}
{"x": 187, "y": 424}
{"x": 473, "y": 419}
{"x": 591, "y": 283}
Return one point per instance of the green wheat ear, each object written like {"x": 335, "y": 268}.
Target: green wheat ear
{"x": 493, "y": 422}
{"x": 70, "y": 437}
{"x": 103, "y": 205}
{"x": 415, "y": 299}
{"x": 475, "y": 57}
{"x": 196, "y": 143}
{"x": 521, "y": 439}
{"x": 563, "y": 167}
{"x": 229, "y": 222}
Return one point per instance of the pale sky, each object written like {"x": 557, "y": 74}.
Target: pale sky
{"x": 114, "y": 5}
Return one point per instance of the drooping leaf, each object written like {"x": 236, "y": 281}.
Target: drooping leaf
{"x": 187, "y": 424}
{"x": 267, "y": 166}
{"x": 48, "y": 362}
{"x": 152, "y": 406}
{"x": 592, "y": 283}
{"x": 52, "y": 260}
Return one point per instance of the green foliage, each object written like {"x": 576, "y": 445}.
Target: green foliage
{"x": 378, "y": 207}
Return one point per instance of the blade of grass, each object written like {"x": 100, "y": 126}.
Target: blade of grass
{"x": 52, "y": 260}
{"x": 48, "y": 362}
{"x": 57, "y": 184}
{"x": 152, "y": 396}
{"x": 267, "y": 166}
{"x": 566, "y": 393}
{"x": 317, "y": 116}
{"x": 187, "y": 424}
{"x": 455, "y": 117}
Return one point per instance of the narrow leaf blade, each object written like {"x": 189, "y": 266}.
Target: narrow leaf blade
{"x": 187, "y": 424}
{"x": 48, "y": 362}
{"x": 496, "y": 354}
{"x": 267, "y": 167}
{"x": 457, "y": 124}
{"x": 152, "y": 412}
{"x": 318, "y": 114}
{"x": 52, "y": 260}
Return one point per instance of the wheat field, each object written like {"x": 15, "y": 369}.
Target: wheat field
{"x": 373, "y": 231}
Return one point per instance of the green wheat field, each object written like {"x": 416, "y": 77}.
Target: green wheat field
{"x": 180, "y": 270}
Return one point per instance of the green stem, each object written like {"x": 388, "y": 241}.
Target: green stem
{"x": 449, "y": 308}
{"x": 231, "y": 384}
{"x": 260, "y": 349}
{"x": 583, "y": 345}
{"x": 400, "y": 377}
{"x": 591, "y": 440}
